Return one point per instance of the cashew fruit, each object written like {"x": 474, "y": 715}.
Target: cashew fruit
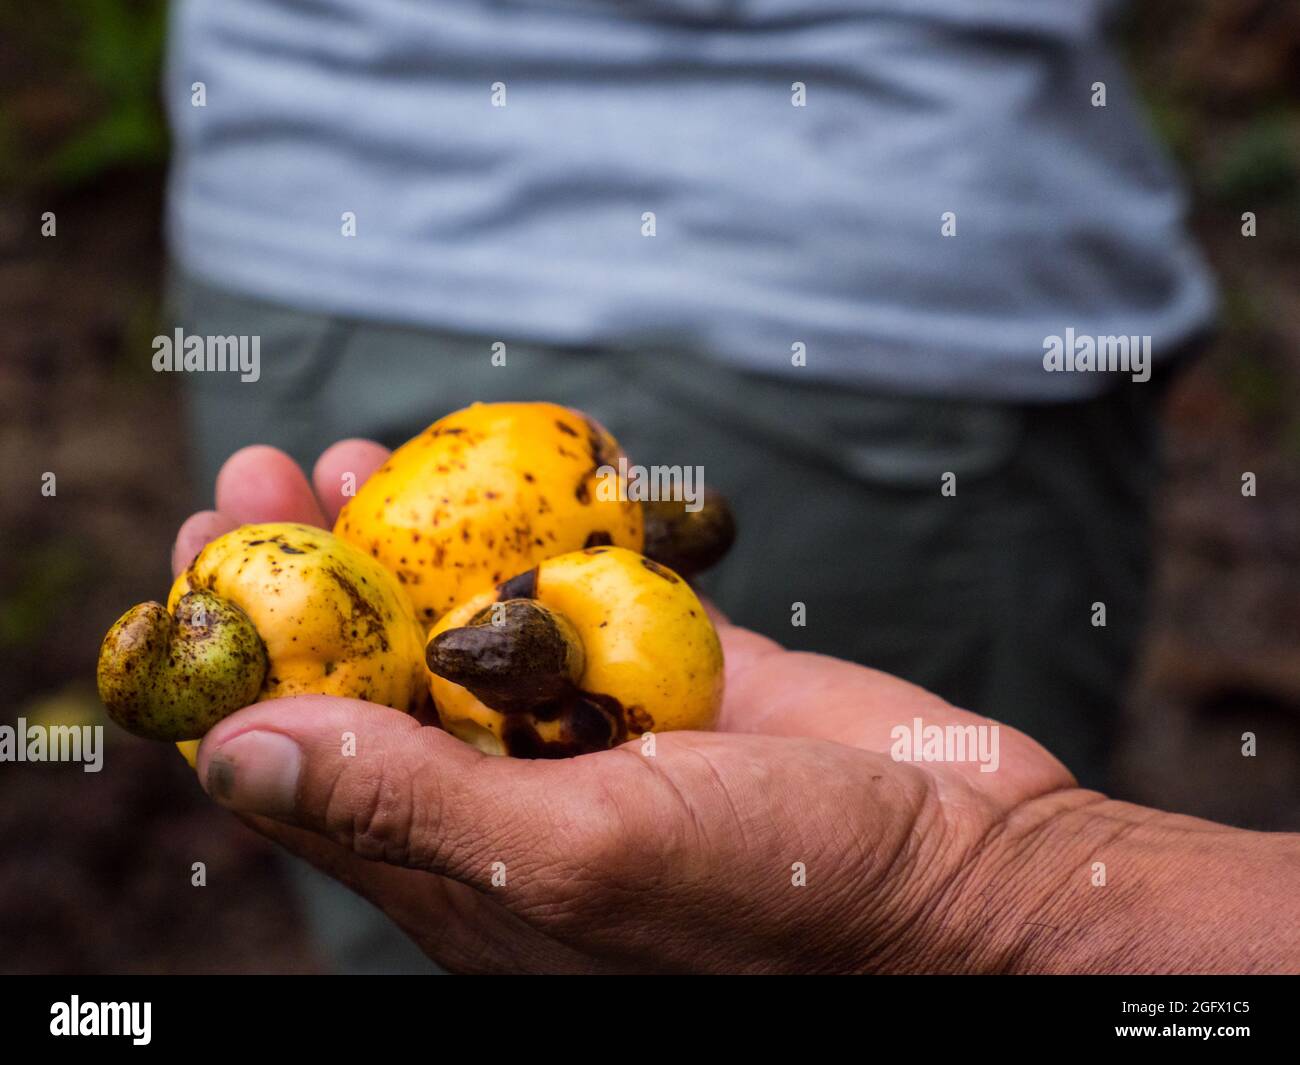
{"x": 686, "y": 541}
{"x": 578, "y": 654}
{"x": 263, "y": 612}
{"x": 485, "y": 493}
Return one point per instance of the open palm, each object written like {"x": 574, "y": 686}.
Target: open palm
{"x": 617, "y": 861}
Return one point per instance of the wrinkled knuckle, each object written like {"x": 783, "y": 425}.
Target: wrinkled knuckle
{"x": 381, "y": 828}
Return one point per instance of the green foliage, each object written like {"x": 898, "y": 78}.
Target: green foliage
{"x": 1255, "y": 385}
{"x": 121, "y": 44}
{"x": 49, "y": 575}
{"x": 1251, "y": 367}
{"x": 113, "y": 49}
{"x": 1260, "y": 163}
{"x": 120, "y": 49}
{"x": 1174, "y": 123}
{"x": 129, "y": 135}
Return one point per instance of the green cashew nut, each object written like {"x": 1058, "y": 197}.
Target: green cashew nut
{"x": 173, "y": 678}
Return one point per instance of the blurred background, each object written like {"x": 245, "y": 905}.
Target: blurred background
{"x": 90, "y": 865}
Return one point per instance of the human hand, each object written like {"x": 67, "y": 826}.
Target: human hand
{"x": 684, "y": 859}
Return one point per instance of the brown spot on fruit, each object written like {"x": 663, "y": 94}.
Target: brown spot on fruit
{"x": 602, "y": 452}
{"x": 660, "y": 571}
{"x": 363, "y": 610}
{"x": 638, "y": 720}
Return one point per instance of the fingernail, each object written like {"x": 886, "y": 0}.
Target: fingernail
{"x": 255, "y": 773}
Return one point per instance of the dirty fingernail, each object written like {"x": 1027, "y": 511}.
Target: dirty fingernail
{"x": 255, "y": 773}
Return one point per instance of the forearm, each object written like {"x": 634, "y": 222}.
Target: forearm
{"x": 1078, "y": 883}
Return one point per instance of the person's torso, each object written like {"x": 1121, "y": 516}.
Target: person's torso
{"x": 912, "y": 193}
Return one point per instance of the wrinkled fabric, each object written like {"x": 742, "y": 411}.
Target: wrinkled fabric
{"x": 775, "y": 225}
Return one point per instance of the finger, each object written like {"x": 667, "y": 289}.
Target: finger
{"x": 342, "y": 469}
{"x": 742, "y": 649}
{"x": 195, "y": 534}
{"x": 377, "y": 783}
{"x": 262, "y": 483}
{"x": 715, "y": 613}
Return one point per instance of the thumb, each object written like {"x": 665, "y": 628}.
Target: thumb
{"x": 376, "y": 782}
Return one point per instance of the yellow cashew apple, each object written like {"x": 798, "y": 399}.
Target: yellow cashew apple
{"x": 578, "y": 654}
{"x": 262, "y": 612}
{"x": 485, "y": 493}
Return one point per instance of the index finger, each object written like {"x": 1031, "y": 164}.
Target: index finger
{"x": 195, "y": 534}
{"x": 260, "y": 484}
{"x": 342, "y": 469}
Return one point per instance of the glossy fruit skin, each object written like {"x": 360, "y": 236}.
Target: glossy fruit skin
{"x": 333, "y": 621}
{"x": 485, "y": 493}
{"x": 653, "y": 661}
